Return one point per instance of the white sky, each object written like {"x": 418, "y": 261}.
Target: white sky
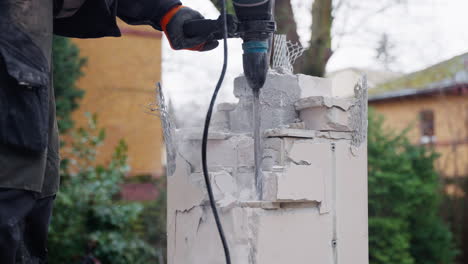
{"x": 424, "y": 32}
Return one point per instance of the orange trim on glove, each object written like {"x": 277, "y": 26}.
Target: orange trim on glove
{"x": 167, "y": 19}
{"x": 169, "y": 15}
{"x": 198, "y": 47}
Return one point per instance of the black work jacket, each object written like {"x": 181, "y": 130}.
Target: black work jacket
{"x": 96, "y": 18}
{"x": 28, "y": 132}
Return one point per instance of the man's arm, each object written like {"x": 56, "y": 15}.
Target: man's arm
{"x": 96, "y": 18}
{"x": 145, "y": 12}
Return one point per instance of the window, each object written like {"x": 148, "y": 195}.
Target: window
{"x": 426, "y": 118}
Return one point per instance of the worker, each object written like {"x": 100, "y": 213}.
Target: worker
{"x": 29, "y": 143}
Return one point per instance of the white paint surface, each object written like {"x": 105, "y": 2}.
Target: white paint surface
{"x": 315, "y": 188}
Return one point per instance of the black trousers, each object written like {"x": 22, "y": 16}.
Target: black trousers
{"x": 24, "y": 223}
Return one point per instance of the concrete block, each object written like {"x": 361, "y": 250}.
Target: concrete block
{"x": 333, "y": 135}
{"x": 222, "y": 153}
{"x": 227, "y": 188}
{"x": 323, "y": 101}
{"x": 245, "y": 169}
{"x": 197, "y": 242}
{"x": 185, "y": 237}
{"x": 276, "y": 99}
{"x": 197, "y": 133}
{"x": 241, "y": 88}
{"x": 314, "y": 86}
{"x": 245, "y": 184}
{"x": 289, "y": 132}
{"x": 304, "y": 178}
{"x": 186, "y": 150}
{"x": 296, "y": 125}
{"x": 325, "y": 113}
{"x": 270, "y": 159}
{"x": 226, "y": 107}
{"x": 320, "y": 118}
{"x": 272, "y": 148}
{"x": 273, "y": 143}
{"x": 182, "y": 181}
{"x": 279, "y": 93}
{"x": 270, "y": 186}
{"x": 351, "y": 203}
{"x": 245, "y": 152}
{"x": 260, "y": 204}
{"x": 314, "y": 181}
{"x": 241, "y": 118}
{"x": 286, "y": 237}
{"x": 220, "y": 121}
{"x": 301, "y": 174}
{"x": 224, "y": 183}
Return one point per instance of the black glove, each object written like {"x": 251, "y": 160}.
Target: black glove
{"x": 173, "y": 26}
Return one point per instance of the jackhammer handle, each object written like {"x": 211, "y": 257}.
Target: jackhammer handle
{"x": 210, "y": 28}
{"x": 200, "y": 27}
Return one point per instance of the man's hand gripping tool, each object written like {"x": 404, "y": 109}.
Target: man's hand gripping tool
{"x": 254, "y": 24}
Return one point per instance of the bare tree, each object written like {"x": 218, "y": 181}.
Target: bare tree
{"x": 319, "y": 52}
{"x": 285, "y": 18}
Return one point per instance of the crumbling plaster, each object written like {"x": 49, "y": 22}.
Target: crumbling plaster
{"x": 314, "y": 203}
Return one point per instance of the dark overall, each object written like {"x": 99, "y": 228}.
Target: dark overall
{"x": 29, "y": 145}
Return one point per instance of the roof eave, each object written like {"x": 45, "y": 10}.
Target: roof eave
{"x": 413, "y": 92}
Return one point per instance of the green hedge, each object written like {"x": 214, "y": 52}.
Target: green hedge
{"x": 89, "y": 218}
{"x": 67, "y": 64}
{"x": 405, "y": 226}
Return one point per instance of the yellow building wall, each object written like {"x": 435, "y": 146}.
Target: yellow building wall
{"x": 119, "y": 82}
{"x": 450, "y": 122}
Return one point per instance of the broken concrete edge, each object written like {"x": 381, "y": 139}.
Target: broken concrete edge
{"x": 343, "y": 135}
{"x": 326, "y": 119}
{"x": 301, "y": 215}
{"x": 297, "y": 125}
{"x": 289, "y": 132}
{"x": 267, "y": 205}
{"x": 320, "y": 101}
{"x": 197, "y": 134}
{"x": 279, "y": 204}
{"x": 195, "y": 176}
{"x": 259, "y": 204}
{"x": 306, "y": 134}
{"x": 226, "y": 107}
{"x": 314, "y": 86}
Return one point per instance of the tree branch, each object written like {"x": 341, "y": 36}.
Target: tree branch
{"x": 285, "y": 19}
{"x": 319, "y": 52}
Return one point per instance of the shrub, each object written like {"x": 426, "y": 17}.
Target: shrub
{"x": 404, "y": 201}
{"x": 88, "y": 216}
{"x": 153, "y": 220}
{"x": 67, "y": 65}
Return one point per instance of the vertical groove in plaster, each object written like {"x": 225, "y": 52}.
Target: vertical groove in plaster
{"x": 334, "y": 242}
{"x": 173, "y": 253}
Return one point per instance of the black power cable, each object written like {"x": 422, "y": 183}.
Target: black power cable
{"x": 205, "y": 136}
